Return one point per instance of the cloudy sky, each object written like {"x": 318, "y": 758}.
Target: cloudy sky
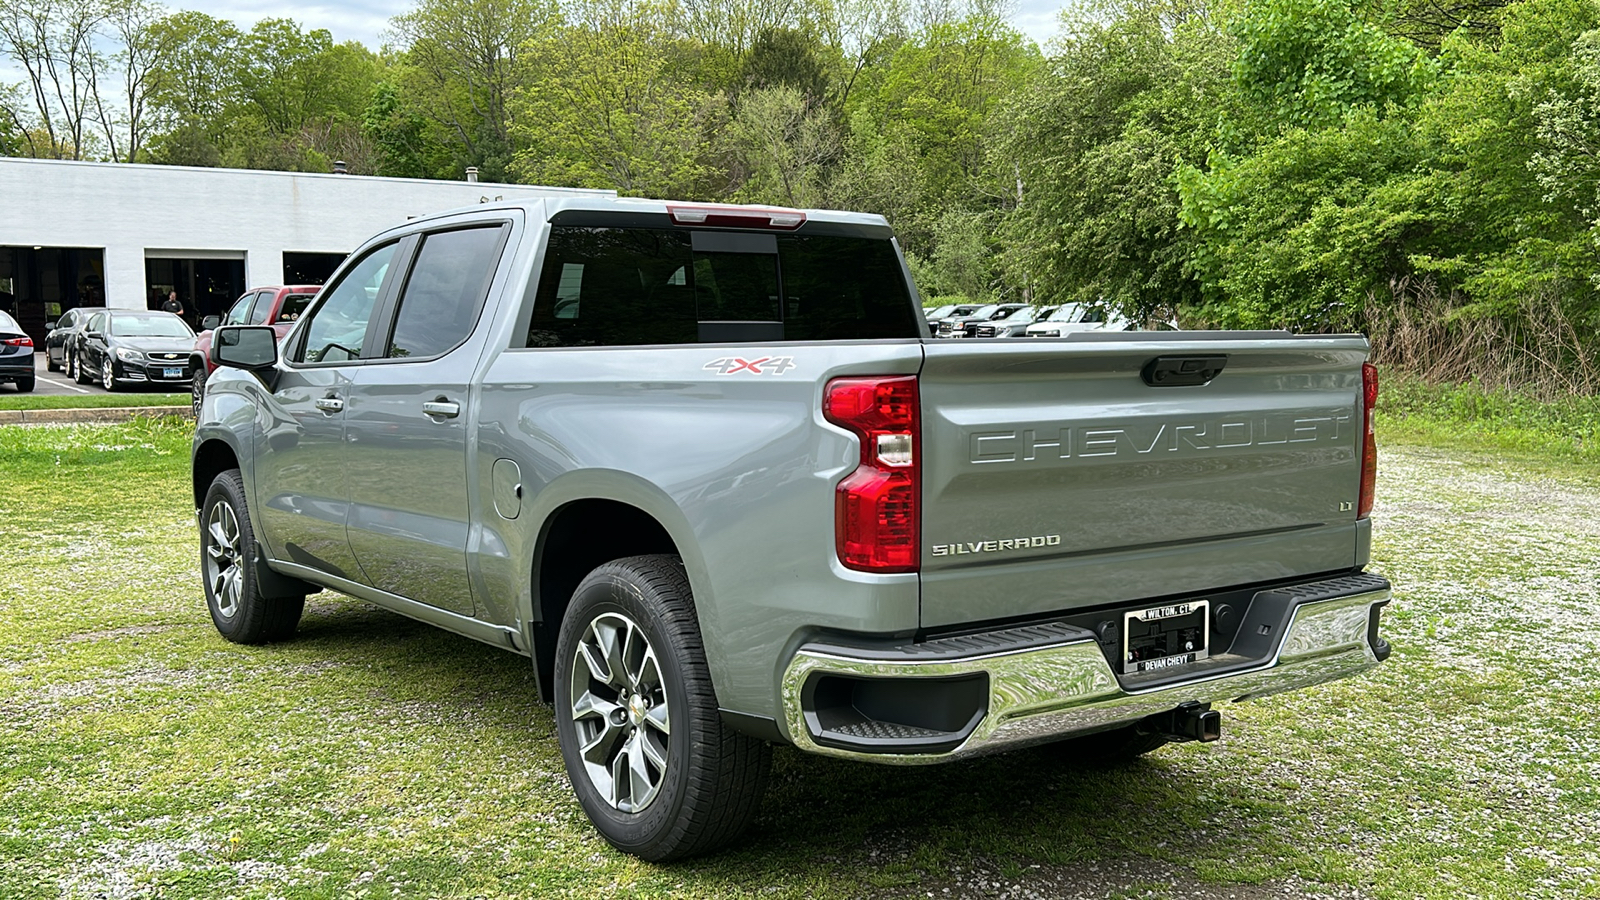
{"x": 368, "y": 20}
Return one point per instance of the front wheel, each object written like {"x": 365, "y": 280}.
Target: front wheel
{"x": 197, "y": 390}
{"x": 653, "y": 765}
{"x": 240, "y": 611}
{"x": 108, "y": 378}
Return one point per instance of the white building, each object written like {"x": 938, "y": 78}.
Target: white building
{"x": 120, "y": 235}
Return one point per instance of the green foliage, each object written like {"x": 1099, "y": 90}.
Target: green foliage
{"x": 1307, "y": 62}
{"x": 1093, "y": 144}
{"x": 602, "y": 108}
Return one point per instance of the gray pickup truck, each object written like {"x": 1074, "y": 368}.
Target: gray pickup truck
{"x": 705, "y": 468}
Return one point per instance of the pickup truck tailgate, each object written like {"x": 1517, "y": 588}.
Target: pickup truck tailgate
{"x": 1055, "y": 478}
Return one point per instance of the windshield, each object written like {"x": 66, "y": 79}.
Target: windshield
{"x": 150, "y": 326}
{"x": 941, "y": 312}
{"x": 1021, "y": 316}
{"x": 982, "y": 312}
{"x": 1071, "y": 312}
{"x": 1014, "y": 313}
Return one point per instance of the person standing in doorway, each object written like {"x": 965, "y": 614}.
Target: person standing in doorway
{"x": 172, "y": 305}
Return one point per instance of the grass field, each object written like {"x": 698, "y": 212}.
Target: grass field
{"x": 143, "y": 756}
{"x": 14, "y": 400}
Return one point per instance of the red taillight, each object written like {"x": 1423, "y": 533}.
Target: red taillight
{"x": 18, "y": 342}
{"x": 738, "y": 217}
{"x": 877, "y": 524}
{"x": 1369, "y": 445}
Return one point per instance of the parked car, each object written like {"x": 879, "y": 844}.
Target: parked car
{"x": 279, "y": 306}
{"x": 61, "y": 340}
{"x": 1014, "y": 325}
{"x": 553, "y": 426}
{"x": 966, "y": 326}
{"x": 16, "y": 354}
{"x": 1072, "y": 317}
{"x": 935, "y": 323}
{"x": 134, "y": 346}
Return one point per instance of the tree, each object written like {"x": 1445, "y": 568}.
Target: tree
{"x": 784, "y": 143}
{"x": 1094, "y": 142}
{"x": 463, "y": 67}
{"x": 53, "y": 41}
{"x": 603, "y": 107}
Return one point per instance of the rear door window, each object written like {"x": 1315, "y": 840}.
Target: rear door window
{"x": 632, "y": 286}
{"x": 445, "y": 292}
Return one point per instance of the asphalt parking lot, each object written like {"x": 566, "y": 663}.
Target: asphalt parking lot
{"x": 58, "y": 384}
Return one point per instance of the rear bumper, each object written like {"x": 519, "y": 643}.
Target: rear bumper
{"x": 1048, "y": 682}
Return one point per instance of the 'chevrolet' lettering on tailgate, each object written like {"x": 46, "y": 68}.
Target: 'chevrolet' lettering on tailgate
{"x": 1161, "y": 439}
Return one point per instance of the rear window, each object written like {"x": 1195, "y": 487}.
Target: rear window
{"x": 630, "y": 286}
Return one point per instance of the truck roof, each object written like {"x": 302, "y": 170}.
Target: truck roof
{"x": 542, "y": 209}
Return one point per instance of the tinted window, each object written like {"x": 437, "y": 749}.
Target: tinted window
{"x": 624, "y": 286}
{"x": 339, "y": 324}
{"x": 445, "y": 292}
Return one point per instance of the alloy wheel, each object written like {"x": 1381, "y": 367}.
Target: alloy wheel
{"x": 620, "y": 712}
{"x": 107, "y": 379}
{"x": 223, "y": 560}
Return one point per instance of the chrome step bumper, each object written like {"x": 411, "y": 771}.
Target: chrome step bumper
{"x": 1048, "y": 682}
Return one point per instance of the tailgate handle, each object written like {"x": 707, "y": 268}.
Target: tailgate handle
{"x": 1178, "y": 371}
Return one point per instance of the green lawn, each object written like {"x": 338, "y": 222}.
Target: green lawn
{"x": 14, "y": 400}
{"x": 143, "y": 756}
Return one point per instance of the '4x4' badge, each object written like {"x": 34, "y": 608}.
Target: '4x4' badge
{"x": 766, "y": 365}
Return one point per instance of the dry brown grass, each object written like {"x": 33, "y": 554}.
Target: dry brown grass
{"x": 1540, "y": 350}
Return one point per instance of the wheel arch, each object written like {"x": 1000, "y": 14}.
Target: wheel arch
{"x": 568, "y": 550}
{"x": 212, "y": 457}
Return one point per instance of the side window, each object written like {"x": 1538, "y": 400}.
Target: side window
{"x": 239, "y": 311}
{"x": 445, "y": 292}
{"x": 615, "y": 287}
{"x": 293, "y": 306}
{"x": 97, "y": 323}
{"x": 263, "y": 307}
{"x": 339, "y": 324}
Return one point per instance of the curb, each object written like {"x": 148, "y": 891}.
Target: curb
{"x": 87, "y": 414}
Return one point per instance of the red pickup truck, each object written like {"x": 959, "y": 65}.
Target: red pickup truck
{"x": 279, "y": 306}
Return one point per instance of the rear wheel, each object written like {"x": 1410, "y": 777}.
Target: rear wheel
{"x": 652, "y": 763}
{"x": 25, "y": 385}
{"x": 238, "y": 608}
{"x": 50, "y": 364}
{"x": 79, "y": 374}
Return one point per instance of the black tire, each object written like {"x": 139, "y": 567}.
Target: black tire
{"x": 108, "y": 374}
{"x": 25, "y": 385}
{"x": 238, "y": 608}
{"x": 197, "y": 390}
{"x": 50, "y": 364}
{"x": 713, "y": 778}
{"x": 1111, "y": 748}
{"x": 78, "y": 373}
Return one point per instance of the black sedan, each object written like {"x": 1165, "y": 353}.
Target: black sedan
{"x": 16, "y": 354}
{"x": 135, "y": 346}
{"x": 62, "y": 340}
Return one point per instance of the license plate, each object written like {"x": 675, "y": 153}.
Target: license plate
{"x": 172, "y": 373}
{"x": 1165, "y": 637}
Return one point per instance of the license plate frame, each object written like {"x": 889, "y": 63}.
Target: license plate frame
{"x": 1190, "y": 618}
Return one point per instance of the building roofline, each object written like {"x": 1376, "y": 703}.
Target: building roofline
{"x": 273, "y": 173}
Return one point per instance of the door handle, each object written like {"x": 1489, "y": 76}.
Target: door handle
{"x": 330, "y": 404}
{"x": 442, "y": 408}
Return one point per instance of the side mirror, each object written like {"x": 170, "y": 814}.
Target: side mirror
{"x": 210, "y": 322}
{"x": 50, "y": 325}
{"x": 245, "y": 347}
